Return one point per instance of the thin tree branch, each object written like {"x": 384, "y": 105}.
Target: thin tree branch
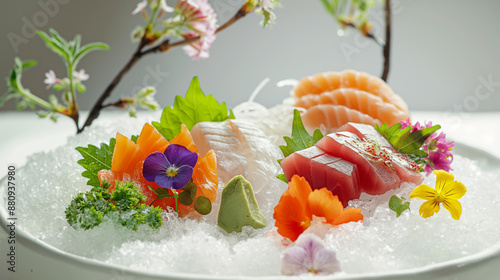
{"x": 369, "y": 35}
{"x": 387, "y": 45}
{"x": 94, "y": 112}
{"x": 139, "y": 53}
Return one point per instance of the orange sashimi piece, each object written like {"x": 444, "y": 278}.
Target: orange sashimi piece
{"x": 185, "y": 139}
{"x": 323, "y": 82}
{"x": 328, "y": 118}
{"x": 150, "y": 140}
{"x": 205, "y": 176}
{"x": 126, "y": 154}
{"x": 128, "y": 160}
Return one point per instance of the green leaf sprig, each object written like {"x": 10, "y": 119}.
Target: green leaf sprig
{"x": 96, "y": 159}
{"x": 124, "y": 206}
{"x": 300, "y": 139}
{"x": 406, "y": 141}
{"x": 71, "y": 52}
{"x": 195, "y": 107}
{"x": 398, "y": 205}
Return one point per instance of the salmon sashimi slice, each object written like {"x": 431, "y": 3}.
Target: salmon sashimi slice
{"x": 375, "y": 176}
{"x": 359, "y": 100}
{"x": 150, "y": 140}
{"x": 323, "y": 82}
{"x": 128, "y": 160}
{"x": 408, "y": 170}
{"x": 184, "y": 138}
{"x": 125, "y": 154}
{"x": 328, "y": 118}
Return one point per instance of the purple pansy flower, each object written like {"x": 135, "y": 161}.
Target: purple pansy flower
{"x": 172, "y": 169}
{"x": 309, "y": 255}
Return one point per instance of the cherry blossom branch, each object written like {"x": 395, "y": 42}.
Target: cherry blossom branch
{"x": 138, "y": 54}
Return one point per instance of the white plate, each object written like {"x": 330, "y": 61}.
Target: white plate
{"x": 36, "y": 259}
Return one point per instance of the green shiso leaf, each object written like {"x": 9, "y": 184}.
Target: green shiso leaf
{"x": 406, "y": 141}
{"x": 300, "y": 140}
{"x": 410, "y": 143}
{"x": 96, "y": 159}
{"x": 282, "y": 177}
{"x": 195, "y": 107}
{"x": 398, "y": 205}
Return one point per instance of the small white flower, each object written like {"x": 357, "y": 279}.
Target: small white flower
{"x": 165, "y": 7}
{"x": 267, "y": 4}
{"x": 143, "y": 4}
{"x": 80, "y": 75}
{"x": 50, "y": 79}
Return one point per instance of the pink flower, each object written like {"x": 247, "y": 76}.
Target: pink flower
{"x": 439, "y": 153}
{"x": 50, "y": 79}
{"x": 198, "y": 49}
{"x": 309, "y": 255}
{"x": 201, "y": 20}
{"x": 416, "y": 126}
{"x": 436, "y": 146}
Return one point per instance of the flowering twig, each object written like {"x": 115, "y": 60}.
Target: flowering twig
{"x": 141, "y": 51}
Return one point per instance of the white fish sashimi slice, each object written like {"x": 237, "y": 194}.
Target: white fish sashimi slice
{"x": 242, "y": 149}
{"x": 261, "y": 154}
{"x": 220, "y": 137}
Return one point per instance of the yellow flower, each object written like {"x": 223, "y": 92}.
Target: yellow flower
{"x": 447, "y": 191}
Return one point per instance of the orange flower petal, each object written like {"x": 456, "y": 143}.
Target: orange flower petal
{"x": 323, "y": 203}
{"x": 291, "y": 219}
{"x": 349, "y": 215}
{"x": 300, "y": 189}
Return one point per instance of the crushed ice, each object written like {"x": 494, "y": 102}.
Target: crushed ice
{"x": 383, "y": 243}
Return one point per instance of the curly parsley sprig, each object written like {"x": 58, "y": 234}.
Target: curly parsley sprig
{"x": 123, "y": 206}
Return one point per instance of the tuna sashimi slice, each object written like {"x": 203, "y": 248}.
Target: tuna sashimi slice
{"x": 324, "y": 171}
{"x": 408, "y": 171}
{"x": 299, "y": 163}
{"x": 375, "y": 176}
{"x": 337, "y": 175}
